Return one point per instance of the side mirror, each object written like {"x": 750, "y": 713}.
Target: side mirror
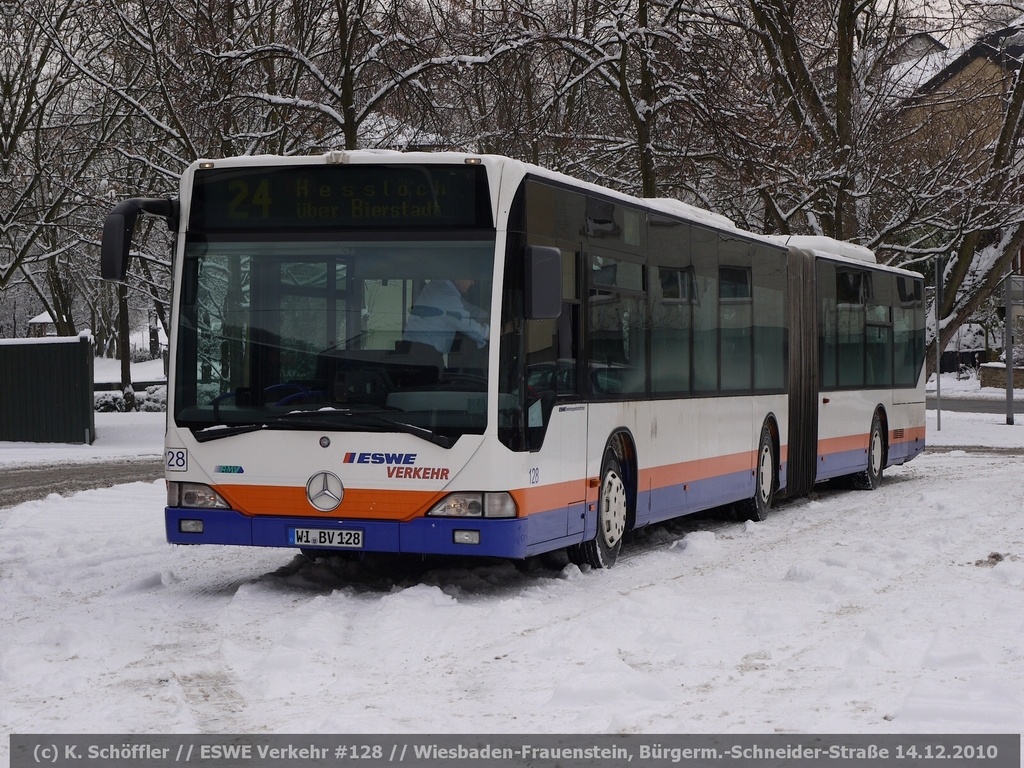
{"x": 543, "y": 282}
{"x": 118, "y": 227}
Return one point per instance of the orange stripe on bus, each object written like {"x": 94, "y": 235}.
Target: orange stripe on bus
{"x": 540, "y": 498}
{"x": 371, "y": 504}
{"x": 842, "y": 444}
{"x": 699, "y": 469}
{"x": 910, "y": 435}
{"x": 362, "y": 503}
{"x": 848, "y": 443}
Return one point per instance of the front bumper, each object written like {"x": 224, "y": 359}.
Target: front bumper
{"x": 427, "y": 535}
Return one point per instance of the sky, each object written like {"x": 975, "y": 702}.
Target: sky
{"x": 893, "y": 611}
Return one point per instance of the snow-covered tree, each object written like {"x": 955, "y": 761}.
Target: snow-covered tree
{"x": 836, "y": 130}
{"x": 54, "y": 129}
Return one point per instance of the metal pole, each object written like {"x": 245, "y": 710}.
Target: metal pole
{"x": 939, "y": 269}
{"x": 1008, "y": 345}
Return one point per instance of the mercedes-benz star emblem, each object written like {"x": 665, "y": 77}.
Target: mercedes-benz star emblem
{"x": 325, "y": 491}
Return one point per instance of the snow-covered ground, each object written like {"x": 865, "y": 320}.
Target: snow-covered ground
{"x": 107, "y": 369}
{"x": 894, "y": 611}
{"x": 118, "y": 435}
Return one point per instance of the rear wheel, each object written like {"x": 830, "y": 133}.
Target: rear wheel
{"x": 758, "y": 505}
{"x": 871, "y": 477}
{"x": 612, "y": 515}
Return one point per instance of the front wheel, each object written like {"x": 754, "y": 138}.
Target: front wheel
{"x": 758, "y": 505}
{"x": 612, "y": 514}
{"x": 871, "y": 477}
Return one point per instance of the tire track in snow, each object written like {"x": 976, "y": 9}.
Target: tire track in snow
{"x": 214, "y": 701}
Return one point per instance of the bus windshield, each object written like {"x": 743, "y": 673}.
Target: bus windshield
{"x": 369, "y": 333}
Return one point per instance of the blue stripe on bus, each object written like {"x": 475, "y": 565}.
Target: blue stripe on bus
{"x": 841, "y": 463}
{"x": 426, "y": 535}
{"x": 902, "y": 451}
{"x": 672, "y": 501}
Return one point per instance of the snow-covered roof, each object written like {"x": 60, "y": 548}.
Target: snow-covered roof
{"x": 908, "y": 77}
{"x": 827, "y": 245}
{"x": 1004, "y": 46}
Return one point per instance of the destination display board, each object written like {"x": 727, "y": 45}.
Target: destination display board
{"x": 307, "y": 197}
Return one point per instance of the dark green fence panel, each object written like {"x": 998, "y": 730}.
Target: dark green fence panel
{"x": 46, "y": 390}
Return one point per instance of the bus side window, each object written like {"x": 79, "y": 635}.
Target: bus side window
{"x": 908, "y": 329}
{"x": 770, "y": 304}
{"x": 851, "y": 296}
{"x": 616, "y": 327}
{"x": 827, "y": 323}
{"x": 735, "y": 302}
{"x": 879, "y": 331}
{"x": 670, "y": 330}
{"x": 551, "y": 354}
{"x": 705, "y": 310}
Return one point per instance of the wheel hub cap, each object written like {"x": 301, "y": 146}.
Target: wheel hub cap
{"x": 613, "y": 509}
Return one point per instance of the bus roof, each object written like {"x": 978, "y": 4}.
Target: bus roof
{"x": 828, "y": 245}
{"x": 831, "y": 247}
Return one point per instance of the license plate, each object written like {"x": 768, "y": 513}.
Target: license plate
{"x": 325, "y": 537}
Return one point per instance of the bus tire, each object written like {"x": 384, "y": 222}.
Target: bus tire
{"x": 871, "y": 478}
{"x": 765, "y": 480}
{"x": 612, "y": 516}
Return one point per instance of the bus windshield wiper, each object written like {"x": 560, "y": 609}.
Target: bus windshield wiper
{"x": 366, "y": 418}
{"x": 217, "y": 431}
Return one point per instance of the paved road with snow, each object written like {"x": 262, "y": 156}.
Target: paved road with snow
{"x": 21, "y": 484}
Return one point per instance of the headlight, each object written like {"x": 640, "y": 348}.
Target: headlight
{"x": 194, "y": 496}
{"x": 475, "y": 504}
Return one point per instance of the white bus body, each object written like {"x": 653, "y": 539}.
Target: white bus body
{"x": 645, "y": 360}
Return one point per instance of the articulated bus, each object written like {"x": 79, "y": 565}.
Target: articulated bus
{"x": 459, "y": 354}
